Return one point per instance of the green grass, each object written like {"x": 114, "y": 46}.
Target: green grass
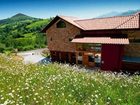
{"x": 39, "y": 23}
{"x": 61, "y": 84}
{"x": 29, "y": 35}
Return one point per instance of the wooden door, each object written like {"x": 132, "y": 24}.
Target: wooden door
{"x": 111, "y": 57}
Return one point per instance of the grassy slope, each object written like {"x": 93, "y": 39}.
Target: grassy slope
{"x": 58, "y": 84}
{"x": 22, "y": 27}
{"x": 38, "y": 23}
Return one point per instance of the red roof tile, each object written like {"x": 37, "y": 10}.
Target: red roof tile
{"x": 119, "y": 22}
{"x": 71, "y": 20}
{"x": 101, "y": 40}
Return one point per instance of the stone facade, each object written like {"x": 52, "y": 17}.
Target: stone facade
{"x": 59, "y": 38}
{"x": 133, "y": 49}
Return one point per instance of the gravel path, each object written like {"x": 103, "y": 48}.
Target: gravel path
{"x": 33, "y": 56}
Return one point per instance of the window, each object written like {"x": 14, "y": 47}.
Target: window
{"x": 91, "y": 58}
{"x": 134, "y": 40}
{"x": 79, "y": 62}
{"x": 61, "y": 24}
{"x": 51, "y": 39}
{"x": 80, "y": 58}
{"x": 97, "y": 58}
{"x": 80, "y": 54}
{"x": 79, "y": 47}
{"x": 94, "y": 47}
{"x": 70, "y": 39}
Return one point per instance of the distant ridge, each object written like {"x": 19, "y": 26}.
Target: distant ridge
{"x": 129, "y": 12}
{"x": 17, "y": 17}
{"x": 110, "y": 14}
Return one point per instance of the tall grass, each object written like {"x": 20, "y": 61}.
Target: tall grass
{"x": 59, "y": 84}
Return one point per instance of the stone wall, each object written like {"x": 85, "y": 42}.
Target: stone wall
{"x": 133, "y": 49}
{"x": 58, "y": 38}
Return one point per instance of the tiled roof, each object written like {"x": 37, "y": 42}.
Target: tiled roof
{"x": 119, "y": 22}
{"x": 101, "y": 40}
{"x": 71, "y": 20}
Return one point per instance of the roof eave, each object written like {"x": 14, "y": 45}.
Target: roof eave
{"x": 112, "y": 29}
{"x": 49, "y": 25}
{"x": 54, "y": 20}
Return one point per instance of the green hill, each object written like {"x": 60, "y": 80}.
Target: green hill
{"x": 16, "y": 18}
{"x": 14, "y": 32}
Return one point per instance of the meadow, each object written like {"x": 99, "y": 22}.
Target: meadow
{"x": 62, "y": 84}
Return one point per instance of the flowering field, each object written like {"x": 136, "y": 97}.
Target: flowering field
{"x": 58, "y": 84}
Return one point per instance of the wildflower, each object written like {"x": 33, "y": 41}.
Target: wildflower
{"x": 119, "y": 99}
{"x": 6, "y": 102}
{"x": 10, "y": 94}
{"x": 36, "y": 94}
{"x": 96, "y": 95}
{"x": 108, "y": 98}
{"x": 13, "y": 91}
{"x": 34, "y": 98}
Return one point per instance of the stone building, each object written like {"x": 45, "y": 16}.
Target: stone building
{"x": 111, "y": 43}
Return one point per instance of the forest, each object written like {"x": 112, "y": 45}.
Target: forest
{"x": 21, "y": 32}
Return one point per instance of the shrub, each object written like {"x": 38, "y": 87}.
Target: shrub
{"x": 29, "y": 47}
{"x": 2, "y": 47}
{"x": 46, "y": 53}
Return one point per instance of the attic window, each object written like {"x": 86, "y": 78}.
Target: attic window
{"x": 61, "y": 24}
{"x": 70, "y": 39}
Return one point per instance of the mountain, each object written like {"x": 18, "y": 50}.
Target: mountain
{"x": 126, "y": 13}
{"x": 20, "y": 15}
{"x": 110, "y": 14}
{"x": 130, "y": 12}
{"x": 22, "y": 32}
{"x": 17, "y": 17}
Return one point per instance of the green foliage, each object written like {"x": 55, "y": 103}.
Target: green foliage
{"x": 58, "y": 84}
{"x": 16, "y": 18}
{"x": 8, "y": 53}
{"x": 2, "y": 47}
{"x": 39, "y": 24}
{"x": 46, "y": 53}
{"x": 28, "y": 47}
{"x": 22, "y": 32}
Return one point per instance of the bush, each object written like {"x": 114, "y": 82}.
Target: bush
{"x": 7, "y": 52}
{"x": 2, "y": 47}
{"x": 46, "y": 53}
{"x": 29, "y": 47}
{"x": 9, "y": 49}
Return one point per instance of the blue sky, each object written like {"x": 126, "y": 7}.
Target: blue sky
{"x": 78, "y": 8}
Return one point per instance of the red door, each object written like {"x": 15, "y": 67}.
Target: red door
{"x": 111, "y": 57}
